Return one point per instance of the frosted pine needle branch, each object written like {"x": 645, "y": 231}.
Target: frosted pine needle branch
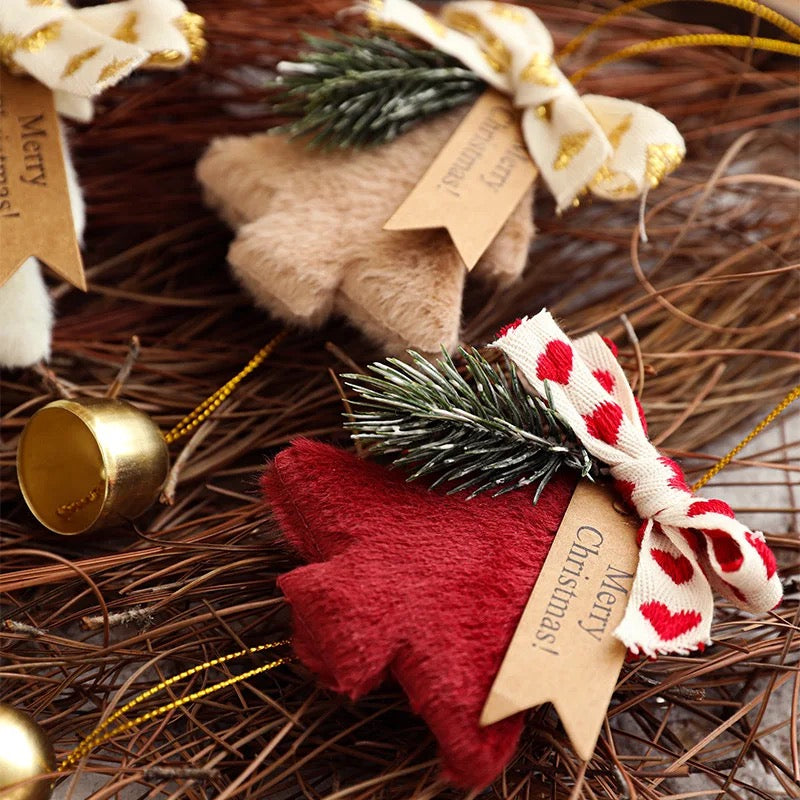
{"x": 479, "y": 431}
{"x": 352, "y": 92}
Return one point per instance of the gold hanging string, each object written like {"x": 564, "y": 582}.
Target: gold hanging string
{"x": 690, "y": 40}
{"x": 750, "y": 6}
{"x": 66, "y": 510}
{"x": 101, "y": 734}
{"x": 728, "y": 457}
{"x": 189, "y": 422}
{"x": 212, "y": 403}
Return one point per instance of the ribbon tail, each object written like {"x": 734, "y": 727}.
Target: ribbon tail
{"x": 73, "y": 106}
{"x": 737, "y": 562}
{"x": 671, "y": 604}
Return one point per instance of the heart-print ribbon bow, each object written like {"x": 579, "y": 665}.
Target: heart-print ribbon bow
{"x": 689, "y": 545}
{"x": 80, "y": 52}
{"x": 614, "y": 148}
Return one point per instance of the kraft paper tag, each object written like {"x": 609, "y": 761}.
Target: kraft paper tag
{"x": 475, "y": 182}
{"x": 35, "y": 212}
{"x": 564, "y": 650}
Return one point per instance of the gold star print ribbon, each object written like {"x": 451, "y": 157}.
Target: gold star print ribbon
{"x": 77, "y": 53}
{"x": 614, "y": 148}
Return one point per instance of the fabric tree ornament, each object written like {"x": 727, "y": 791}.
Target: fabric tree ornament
{"x": 78, "y": 53}
{"x": 309, "y": 224}
{"x": 428, "y": 587}
{"x": 418, "y": 584}
{"x": 309, "y": 241}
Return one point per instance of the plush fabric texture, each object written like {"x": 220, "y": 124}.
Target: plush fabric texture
{"x": 411, "y": 583}
{"x": 25, "y": 307}
{"x": 310, "y": 243}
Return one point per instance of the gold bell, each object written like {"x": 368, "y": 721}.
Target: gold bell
{"x": 83, "y": 464}
{"x": 25, "y": 753}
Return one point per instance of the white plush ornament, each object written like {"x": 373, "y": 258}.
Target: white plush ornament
{"x": 77, "y": 53}
{"x": 26, "y": 309}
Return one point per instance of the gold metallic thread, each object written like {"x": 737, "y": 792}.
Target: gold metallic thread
{"x": 750, "y": 6}
{"x": 102, "y": 734}
{"x": 690, "y": 40}
{"x": 793, "y": 395}
{"x": 212, "y": 403}
{"x": 68, "y": 510}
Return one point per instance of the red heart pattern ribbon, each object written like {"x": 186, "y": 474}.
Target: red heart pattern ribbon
{"x": 689, "y": 545}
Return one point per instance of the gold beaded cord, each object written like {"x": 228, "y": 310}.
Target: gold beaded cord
{"x": 104, "y": 732}
{"x": 705, "y": 313}
{"x": 215, "y": 400}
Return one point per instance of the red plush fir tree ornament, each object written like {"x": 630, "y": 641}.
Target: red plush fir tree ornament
{"x": 430, "y": 587}
{"x": 418, "y": 584}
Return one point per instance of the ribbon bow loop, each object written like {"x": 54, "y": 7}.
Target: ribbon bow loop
{"x": 80, "y": 52}
{"x": 689, "y": 544}
{"x": 613, "y": 148}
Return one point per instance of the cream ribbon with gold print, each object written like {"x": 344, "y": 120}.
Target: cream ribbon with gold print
{"x": 80, "y": 52}
{"x": 614, "y": 148}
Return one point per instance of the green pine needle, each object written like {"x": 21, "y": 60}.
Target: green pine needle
{"x": 353, "y": 92}
{"x": 478, "y": 431}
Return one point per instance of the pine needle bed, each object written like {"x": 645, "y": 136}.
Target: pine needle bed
{"x": 705, "y": 313}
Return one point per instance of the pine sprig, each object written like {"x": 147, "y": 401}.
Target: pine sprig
{"x": 479, "y": 431}
{"x": 352, "y": 91}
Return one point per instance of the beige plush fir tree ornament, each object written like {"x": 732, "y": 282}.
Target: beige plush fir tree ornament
{"x": 384, "y": 230}
{"x": 310, "y": 241}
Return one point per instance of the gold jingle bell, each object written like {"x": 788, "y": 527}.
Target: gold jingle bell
{"x": 25, "y": 752}
{"x": 85, "y": 464}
